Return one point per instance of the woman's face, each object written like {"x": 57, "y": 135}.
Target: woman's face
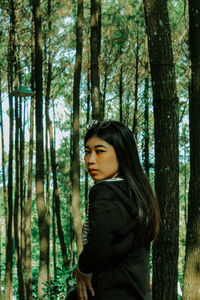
{"x": 100, "y": 159}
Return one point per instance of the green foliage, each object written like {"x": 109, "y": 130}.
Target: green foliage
{"x": 56, "y": 288}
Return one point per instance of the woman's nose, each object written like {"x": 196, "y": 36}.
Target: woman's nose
{"x": 92, "y": 157}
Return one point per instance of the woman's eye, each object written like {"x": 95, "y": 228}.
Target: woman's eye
{"x": 100, "y": 151}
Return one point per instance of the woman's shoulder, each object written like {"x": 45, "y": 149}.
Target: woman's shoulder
{"x": 107, "y": 184}
{"x": 109, "y": 188}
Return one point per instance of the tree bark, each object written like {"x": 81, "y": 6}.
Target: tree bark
{"x": 17, "y": 212}
{"x": 29, "y": 207}
{"x": 42, "y": 218}
{"x": 30, "y": 167}
{"x": 9, "y": 242}
{"x": 95, "y": 48}
{"x": 3, "y": 161}
{"x": 191, "y": 280}
{"x": 135, "y": 116}
{"x": 54, "y": 236}
{"x": 22, "y": 195}
{"x": 146, "y": 114}
{"x": 121, "y": 89}
{"x": 47, "y": 99}
{"x": 75, "y": 172}
{"x": 165, "y": 248}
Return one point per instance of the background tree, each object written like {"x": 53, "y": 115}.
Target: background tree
{"x": 42, "y": 218}
{"x": 95, "y": 46}
{"x": 76, "y": 126}
{"x": 165, "y": 248}
{"x": 9, "y": 242}
{"x": 192, "y": 263}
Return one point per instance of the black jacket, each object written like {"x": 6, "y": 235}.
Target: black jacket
{"x": 115, "y": 252}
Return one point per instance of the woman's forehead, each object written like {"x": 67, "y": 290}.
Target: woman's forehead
{"x": 97, "y": 142}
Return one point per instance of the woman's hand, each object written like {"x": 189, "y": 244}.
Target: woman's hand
{"x": 83, "y": 283}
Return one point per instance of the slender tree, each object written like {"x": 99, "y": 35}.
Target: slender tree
{"x": 3, "y": 159}
{"x": 95, "y": 48}
{"x": 29, "y": 206}
{"x": 22, "y": 193}
{"x": 135, "y": 116}
{"x": 30, "y": 170}
{"x": 17, "y": 212}
{"x": 165, "y": 249}
{"x": 75, "y": 141}
{"x": 9, "y": 243}
{"x": 41, "y": 208}
{"x": 146, "y": 112}
{"x": 47, "y": 99}
{"x": 121, "y": 87}
{"x": 191, "y": 289}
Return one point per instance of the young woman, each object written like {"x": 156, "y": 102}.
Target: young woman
{"x": 123, "y": 218}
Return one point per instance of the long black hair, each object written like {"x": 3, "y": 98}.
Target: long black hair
{"x": 121, "y": 138}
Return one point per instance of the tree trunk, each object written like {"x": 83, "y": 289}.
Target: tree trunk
{"x": 47, "y": 99}
{"x": 75, "y": 128}
{"x": 165, "y": 249}
{"x": 72, "y": 232}
{"x": 135, "y": 116}
{"x": 191, "y": 290}
{"x": 3, "y": 162}
{"x": 22, "y": 196}
{"x": 87, "y": 122}
{"x": 17, "y": 212}
{"x": 146, "y": 115}
{"x": 47, "y": 187}
{"x": 121, "y": 90}
{"x": 54, "y": 236}
{"x": 95, "y": 48}
{"x": 9, "y": 242}
{"x": 30, "y": 167}
{"x": 29, "y": 207}
{"x": 42, "y": 218}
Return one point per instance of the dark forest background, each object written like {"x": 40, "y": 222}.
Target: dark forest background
{"x": 62, "y": 65}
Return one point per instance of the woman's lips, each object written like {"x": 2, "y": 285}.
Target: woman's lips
{"x": 93, "y": 171}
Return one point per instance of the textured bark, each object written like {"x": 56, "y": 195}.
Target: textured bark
{"x": 135, "y": 116}
{"x": 95, "y": 48}
{"x": 42, "y": 218}
{"x": 29, "y": 207}
{"x": 22, "y": 198}
{"x": 87, "y": 121}
{"x": 30, "y": 166}
{"x": 54, "y": 235}
{"x": 47, "y": 99}
{"x": 17, "y": 212}
{"x": 75, "y": 164}
{"x": 146, "y": 114}
{"x": 121, "y": 91}
{"x": 191, "y": 290}
{"x": 3, "y": 161}
{"x": 9, "y": 242}
{"x": 165, "y": 249}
